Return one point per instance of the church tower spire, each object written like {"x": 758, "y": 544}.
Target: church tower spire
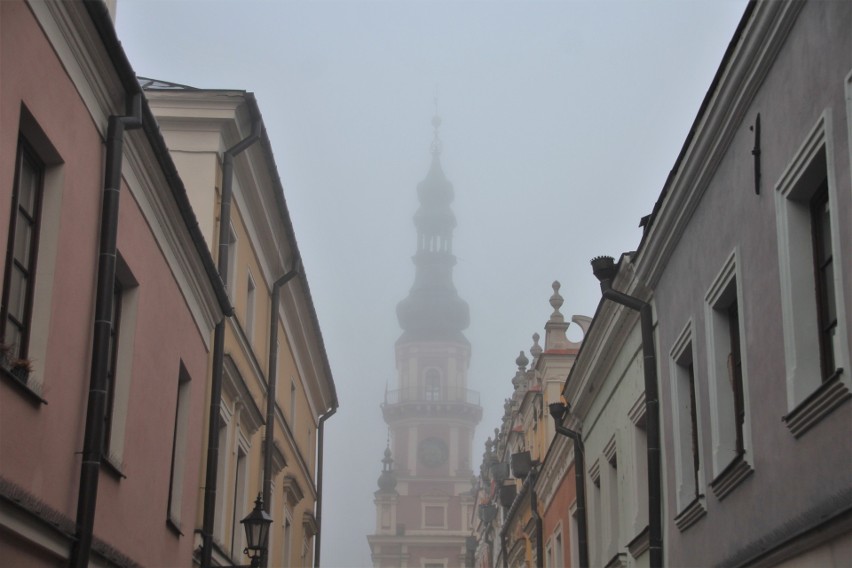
{"x": 424, "y": 502}
{"x": 433, "y": 309}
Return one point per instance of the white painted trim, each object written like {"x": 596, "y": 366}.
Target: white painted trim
{"x": 723, "y": 432}
{"x": 795, "y": 261}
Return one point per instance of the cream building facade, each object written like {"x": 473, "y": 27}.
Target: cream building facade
{"x": 268, "y": 346}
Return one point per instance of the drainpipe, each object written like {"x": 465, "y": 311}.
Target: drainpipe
{"x": 604, "y": 269}
{"x": 539, "y": 538}
{"x": 320, "y": 442}
{"x": 219, "y": 347}
{"x": 272, "y": 373}
{"x": 93, "y": 440}
{"x": 558, "y": 410}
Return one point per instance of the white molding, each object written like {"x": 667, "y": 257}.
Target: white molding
{"x": 795, "y": 262}
{"x": 740, "y": 81}
{"x": 722, "y": 433}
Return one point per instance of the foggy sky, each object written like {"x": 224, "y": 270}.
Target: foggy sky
{"x": 561, "y": 121}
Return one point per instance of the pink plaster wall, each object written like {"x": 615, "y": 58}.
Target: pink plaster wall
{"x": 39, "y": 445}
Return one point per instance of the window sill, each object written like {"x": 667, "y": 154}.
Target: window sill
{"x": 819, "y": 404}
{"x": 174, "y": 526}
{"x": 733, "y": 474}
{"x": 617, "y": 561}
{"x": 112, "y": 467}
{"x": 640, "y": 543}
{"x": 29, "y": 391}
{"x": 690, "y": 514}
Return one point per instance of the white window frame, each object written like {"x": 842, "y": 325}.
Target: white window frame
{"x": 251, "y": 301}
{"x": 682, "y": 354}
{"x": 722, "y": 418}
{"x": 795, "y": 261}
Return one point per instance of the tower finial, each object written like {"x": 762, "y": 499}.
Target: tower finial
{"x": 436, "y": 124}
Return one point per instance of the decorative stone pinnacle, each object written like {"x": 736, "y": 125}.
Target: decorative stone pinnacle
{"x": 522, "y": 362}
{"x": 535, "y": 350}
{"x": 556, "y": 302}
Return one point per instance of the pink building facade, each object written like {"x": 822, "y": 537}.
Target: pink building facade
{"x": 62, "y": 77}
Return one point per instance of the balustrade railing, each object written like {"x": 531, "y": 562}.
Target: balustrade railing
{"x": 432, "y": 395}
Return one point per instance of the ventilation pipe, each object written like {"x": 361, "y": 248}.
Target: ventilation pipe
{"x": 219, "y": 347}
{"x": 605, "y": 270}
{"x": 93, "y": 440}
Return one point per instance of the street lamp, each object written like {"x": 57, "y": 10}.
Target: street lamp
{"x": 257, "y": 533}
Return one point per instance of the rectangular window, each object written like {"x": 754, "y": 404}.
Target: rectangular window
{"x": 232, "y": 260}
{"x": 250, "y": 308}
{"x": 685, "y": 417}
{"x": 221, "y": 480}
{"x": 727, "y": 381}
{"x": 434, "y": 515}
{"x": 21, "y": 257}
{"x": 120, "y": 363}
{"x": 824, "y": 277}
{"x": 573, "y": 534}
{"x": 812, "y": 274}
{"x": 112, "y": 369}
{"x": 179, "y": 447}
{"x": 288, "y": 537}
{"x": 237, "y": 532}
{"x": 557, "y": 549}
{"x": 612, "y": 504}
{"x": 292, "y": 401}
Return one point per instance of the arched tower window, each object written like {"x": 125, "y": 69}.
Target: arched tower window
{"x": 432, "y": 384}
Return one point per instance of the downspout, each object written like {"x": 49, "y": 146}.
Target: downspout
{"x": 580, "y": 483}
{"x": 219, "y": 347}
{"x": 605, "y": 271}
{"x": 96, "y": 408}
{"x": 539, "y": 537}
{"x": 272, "y": 374}
{"x": 321, "y": 443}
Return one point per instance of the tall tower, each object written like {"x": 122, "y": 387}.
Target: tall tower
{"x": 424, "y": 504}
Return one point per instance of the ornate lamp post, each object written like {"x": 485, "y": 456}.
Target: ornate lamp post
{"x": 257, "y": 533}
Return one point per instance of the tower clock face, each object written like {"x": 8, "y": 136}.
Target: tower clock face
{"x": 432, "y": 452}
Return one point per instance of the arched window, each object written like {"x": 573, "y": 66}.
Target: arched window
{"x": 432, "y": 384}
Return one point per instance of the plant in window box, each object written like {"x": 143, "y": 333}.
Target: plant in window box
{"x": 21, "y": 369}
{"x": 6, "y": 354}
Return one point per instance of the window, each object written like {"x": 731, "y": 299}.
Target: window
{"x": 21, "y": 257}
{"x": 240, "y": 511}
{"x": 119, "y": 370}
{"x": 812, "y": 273}
{"x": 292, "y": 401}
{"x": 114, "y": 332}
{"x": 221, "y": 475}
{"x": 596, "y": 509}
{"x": 573, "y": 535}
{"x": 288, "y": 537}
{"x": 432, "y": 383}
{"x": 232, "y": 260}
{"x": 179, "y": 448}
{"x": 639, "y": 479}
{"x": 727, "y": 381}
{"x": 687, "y": 442}
{"x": 250, "y": 299}
{"x": 611, "y": 503}
{"x": 434, "y": 516}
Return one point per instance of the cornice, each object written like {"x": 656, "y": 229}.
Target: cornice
{"x": 76, "y": 42}
{"x": 737, "y": 82}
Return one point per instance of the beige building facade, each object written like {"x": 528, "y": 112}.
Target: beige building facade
{"x": 268, "y": 345}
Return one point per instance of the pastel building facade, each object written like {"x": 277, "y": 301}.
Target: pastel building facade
{"x": 276, "y": 376}
{"x": 100, "y": 402}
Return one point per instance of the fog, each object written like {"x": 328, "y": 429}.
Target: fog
{"x": 561, "y": 121}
